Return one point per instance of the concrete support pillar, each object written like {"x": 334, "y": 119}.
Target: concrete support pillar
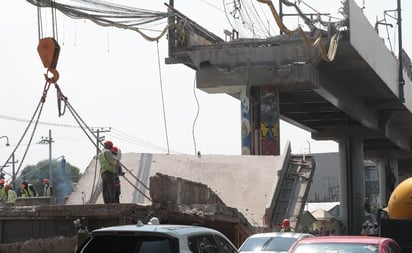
{"x": 269, "y": 121}
{"x": 380, "y": 165}
{"x": 352, "y": 184}
{"x": 394, "y": 168}
{"x": 246, "y": 128}
{"x": 260, "y": 121}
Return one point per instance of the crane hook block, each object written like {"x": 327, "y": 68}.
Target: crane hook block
{"x": 48, "y": 50}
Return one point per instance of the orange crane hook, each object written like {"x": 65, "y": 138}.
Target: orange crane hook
{"x": 49, "y": 50}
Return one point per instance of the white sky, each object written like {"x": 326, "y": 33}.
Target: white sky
{"x": 111, "y": 78}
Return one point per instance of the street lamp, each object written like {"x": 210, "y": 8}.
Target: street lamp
{"x": 7, "y": 138}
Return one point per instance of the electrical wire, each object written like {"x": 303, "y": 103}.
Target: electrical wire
{"x": 197, "y": 115}
{"x": 110, "y": 14}
{"x": 163, "y": 101}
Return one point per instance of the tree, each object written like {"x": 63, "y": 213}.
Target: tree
{"x": 63, "y": 177}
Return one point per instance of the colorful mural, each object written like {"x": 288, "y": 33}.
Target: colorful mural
{"x": 269, "y": 121}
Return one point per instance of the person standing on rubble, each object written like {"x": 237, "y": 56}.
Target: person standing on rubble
{"x": 47, "y": 190}
{"x": 107, "y": 171}
{"x": 2, "y": 190}
{"x": 28, "y": 190}
{"x": 11, "y": 195}
{"x": 118, "y": 172}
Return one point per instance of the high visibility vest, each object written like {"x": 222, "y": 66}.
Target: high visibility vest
{"x": 3, "y": 192}
{"x": 11, "y": 197}
{"x": 28, "y": 192}
{"x": 47, "y": 190}
{"x": 105, "y": 165}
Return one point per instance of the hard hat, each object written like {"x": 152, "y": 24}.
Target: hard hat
{"x": 115, "y": 149}
{"x": 46, "y": 181}
{"x": 108, "y": 144}
{"x": 1, "y": 181}
{"x": 286, "y": 223}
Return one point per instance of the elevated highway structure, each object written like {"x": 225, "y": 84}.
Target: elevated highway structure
{"x": 351, "y": 94}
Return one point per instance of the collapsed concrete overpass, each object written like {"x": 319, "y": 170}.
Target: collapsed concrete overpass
{"x": 356, "y": 99}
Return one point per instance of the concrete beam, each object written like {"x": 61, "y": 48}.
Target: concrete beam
{"x": 346, "y": 100}
{"x": 293, "y": 76}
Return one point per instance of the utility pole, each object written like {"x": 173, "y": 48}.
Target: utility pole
{"x": 99, "y": 138}
{"x": 13, "y": 177}
{"x": 400, "y": 53}
{"x": 49, "y": 140}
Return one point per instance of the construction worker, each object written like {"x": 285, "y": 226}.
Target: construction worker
{"x": 365, "y": 229}
{"x": 286, "y": 226}
{"x": 47, "y": 190}
{"x": 28, "y": 190}
{"x": 2, "y": 190}
{"x": 119, "y": 172}
{"x": 11, "y": 195}
{"x": 107, "y": 171}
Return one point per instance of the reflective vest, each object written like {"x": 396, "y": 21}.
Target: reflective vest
{"x": 28, "y": 192}
{"x": 105, "y": 165}
{"x": 47, "y": 190}
{"x": 3, "y": 192}
{"x": 11, "y": 197}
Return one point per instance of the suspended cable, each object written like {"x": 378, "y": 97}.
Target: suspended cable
{"x": 163, "y": 102}
{"x": 197, "y": 114}
{"x": 109, "y": 14}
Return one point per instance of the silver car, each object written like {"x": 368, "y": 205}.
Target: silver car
{"x": 271, "y": 242}
{"x": 157, "y": 238}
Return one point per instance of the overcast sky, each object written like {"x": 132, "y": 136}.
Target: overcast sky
{"x": 112, "y": 79}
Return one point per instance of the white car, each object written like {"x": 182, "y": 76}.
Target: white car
{"x": 271, "y": 242}
{"x": 157, "y": 238}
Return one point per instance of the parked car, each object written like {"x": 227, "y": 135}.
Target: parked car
{"x": 271, "y": 242}
{"x": 159, "y": 238}
{"x": 346, "y": 244}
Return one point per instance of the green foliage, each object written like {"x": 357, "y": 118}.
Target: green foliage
{"x": 63, "y": 177}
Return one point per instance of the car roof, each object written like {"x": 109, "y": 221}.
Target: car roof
{"x": 176, "y": 230}
{"x": 346, "y": 238}
{"x": 282, "y": 234}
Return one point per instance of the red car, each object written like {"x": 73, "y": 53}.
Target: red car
{"x": 345, "y": 244}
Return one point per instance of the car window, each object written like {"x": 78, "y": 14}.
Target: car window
{"x": 224, "y": 246}
{"x": 336, "y": 248}
{"x": 268, "y": 244}
{"x": 131, "y": 244}
{"x": 203, "y": 244}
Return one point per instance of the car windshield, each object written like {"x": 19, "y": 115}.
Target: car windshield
{"x": 335, "y": 248}
{"x": 268, "y": 244}
{"x": 135, "y": 244}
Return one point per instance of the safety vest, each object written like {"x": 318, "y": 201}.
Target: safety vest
{"x": 3, "y": 192}
{"x": 28, "y": 192}
{"x": 105, "y": 165}
{"x": 11, "y": 197}
{"x": 47, "y": 190}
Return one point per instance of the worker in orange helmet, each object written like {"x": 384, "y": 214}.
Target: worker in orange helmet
{"x": 2, "y": 190}
{"x": 286, "y": 226}
{"x": 28, "y": 190}
{"x": 108, "y": 164}
{"x": 11, "y": 195}
{"x": 47, "y": 189}
{"x": 118, "y": 172}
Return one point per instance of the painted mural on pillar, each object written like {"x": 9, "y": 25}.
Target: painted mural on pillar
{"x": 245, "y": 131}
{"x": 269, "y": 121}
